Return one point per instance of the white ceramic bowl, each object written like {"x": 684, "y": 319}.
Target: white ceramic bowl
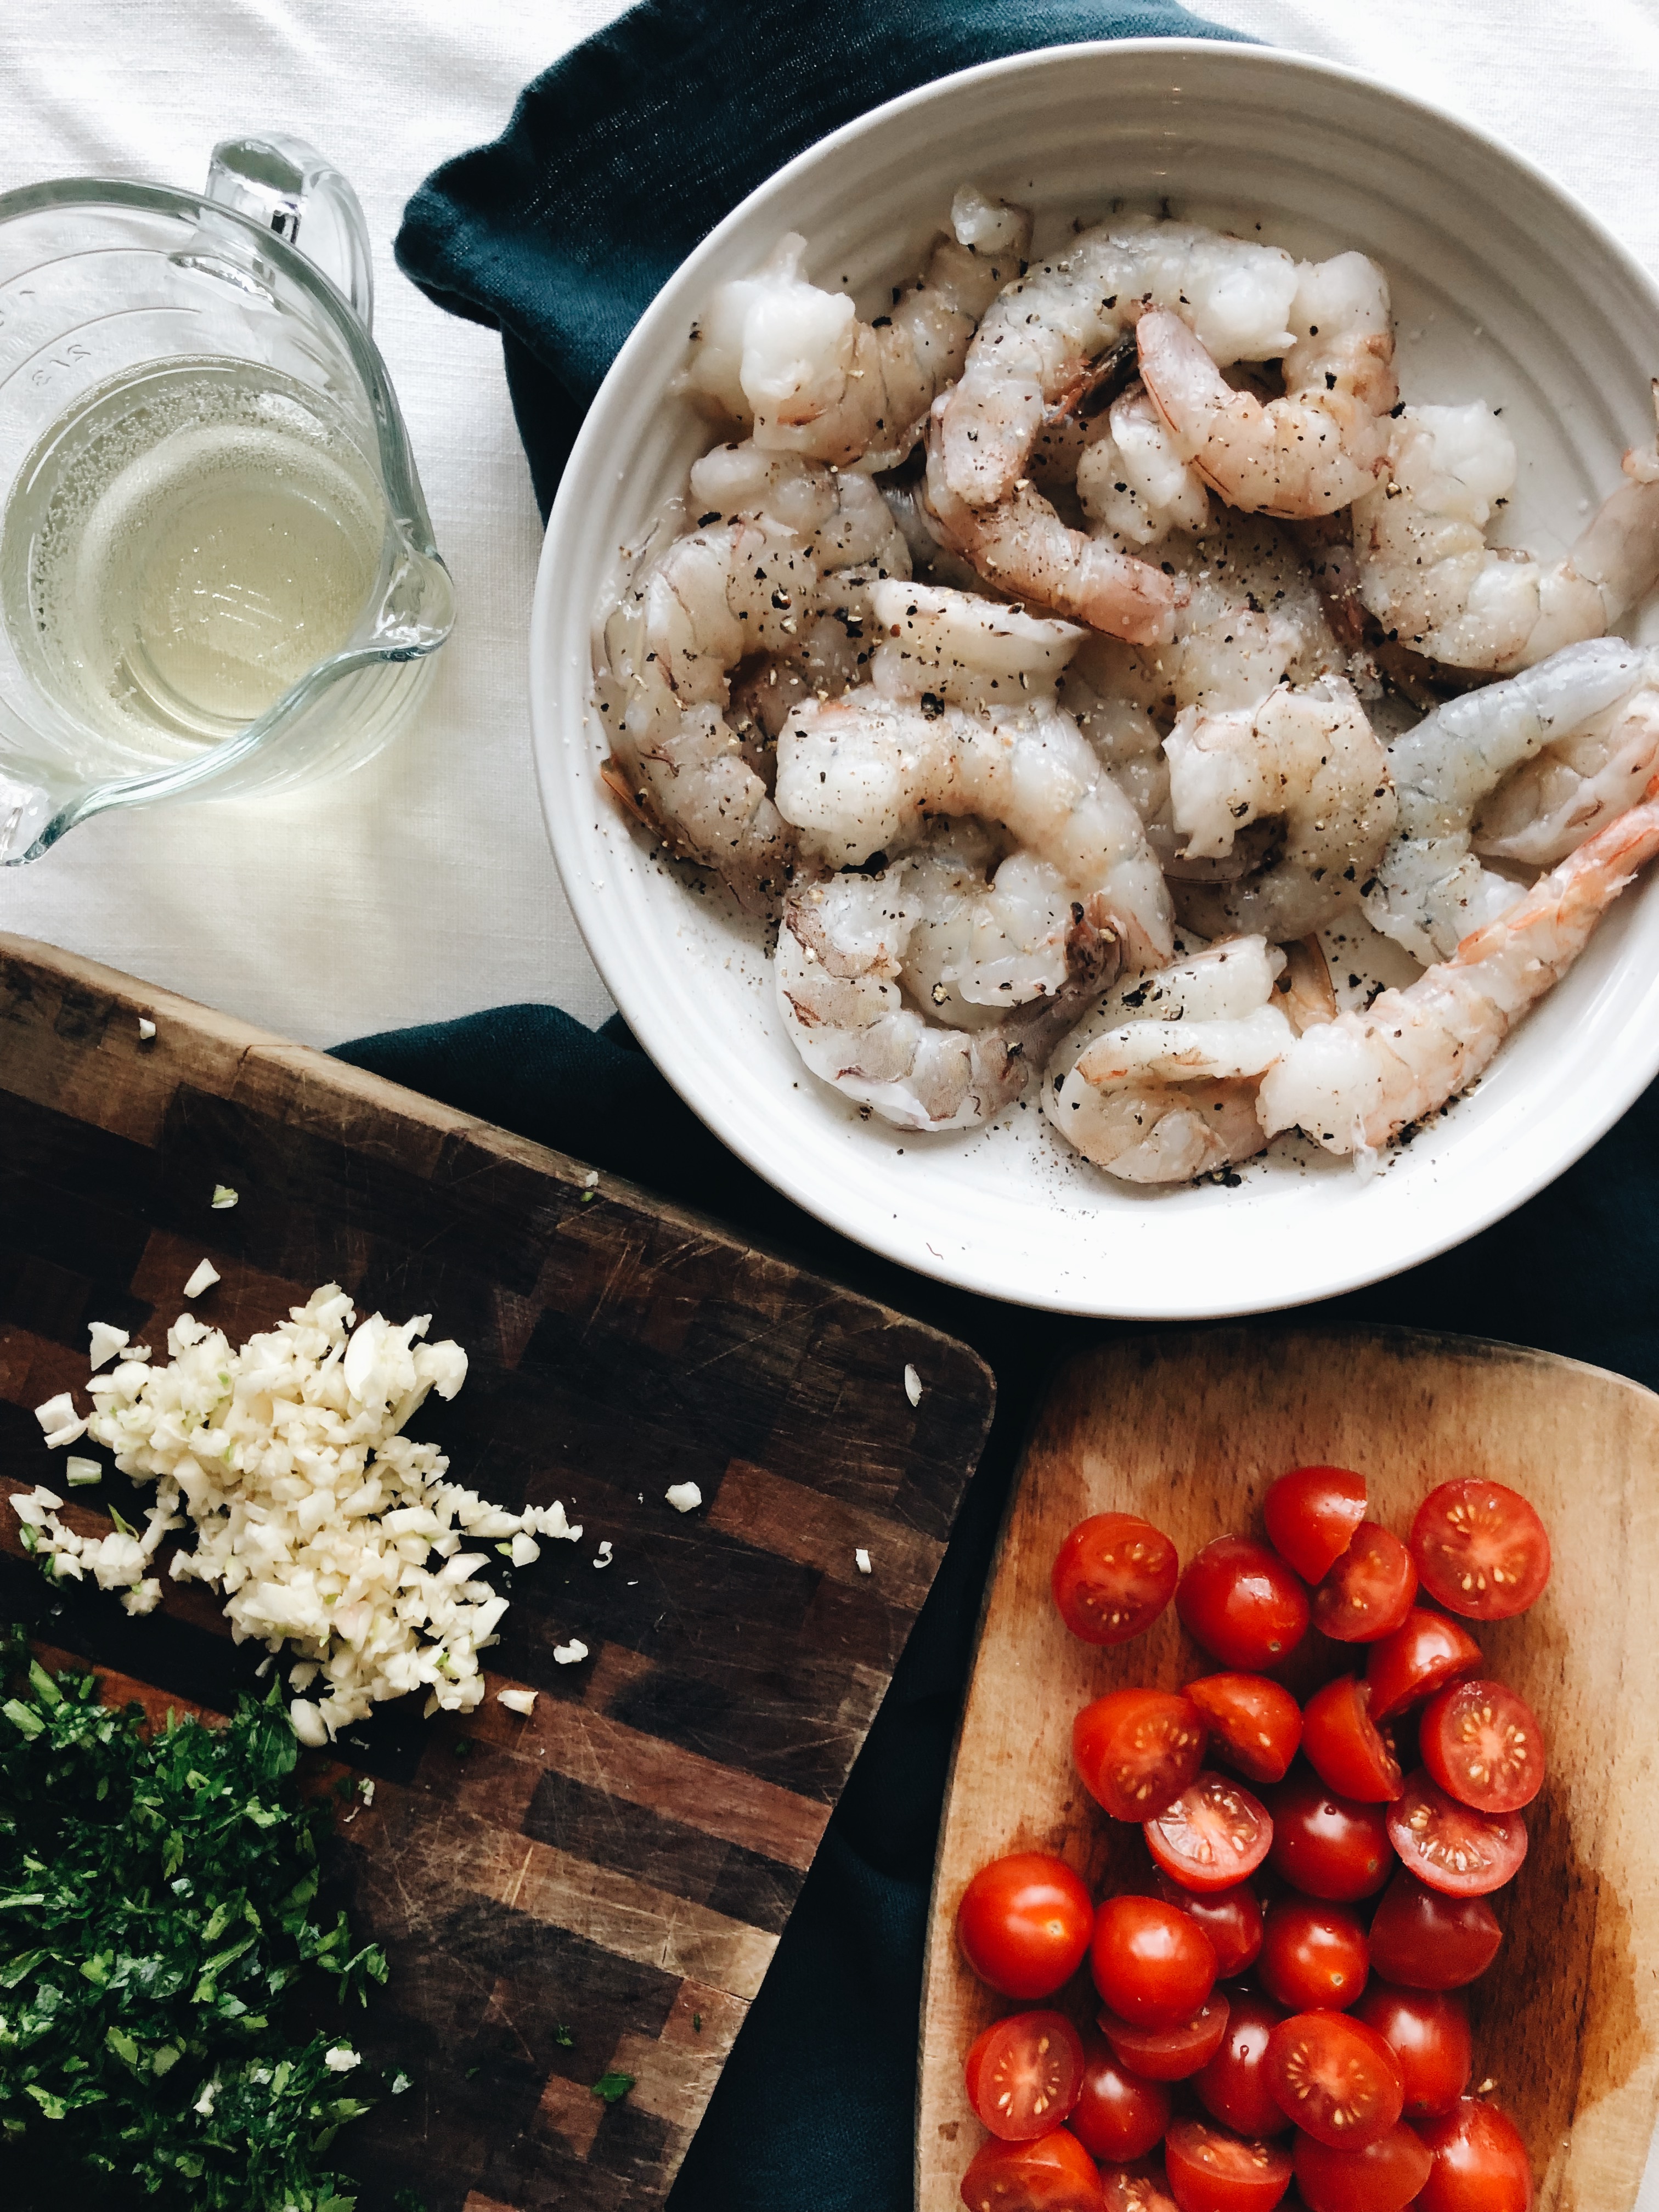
{"x": 1503, "y": 287}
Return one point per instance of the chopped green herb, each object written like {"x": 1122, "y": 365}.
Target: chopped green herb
{"x": 462, "y": 1747}
{"x": 696, "y": 2023}
{"x": 563, "y": 2038}
{"x": 408, "y": 2200}
{"x": 610, "y": 2088}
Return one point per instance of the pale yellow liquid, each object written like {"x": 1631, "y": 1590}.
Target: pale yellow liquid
{"x": 182, "y": 548}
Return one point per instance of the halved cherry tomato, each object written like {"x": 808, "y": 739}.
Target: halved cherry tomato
{"x": 1113, "y": 1576}
{"x": 1311, "y": 1514}
{"x": 1137, "y": 1750}
{"x": 1212, "y": 2170}
{"x": 1151, "y": 1962}
{"x": 1024, "y": 2073}
{"x": 1232, "y": 2086}
{"x": 1369, "y": 1592}
{"x": 1232, "y": 1919}
{"x": 1382, "y": 2178}
{"x": 1024, "y": 1924}
{"x": 1479, "y": 2162}
{"x": 1427, "y": 1941}
{"x": 1214, "y": 1835}
{"x": 1314, "y": 1957}
{"x": 1130, "y": 2189}
{"x": 1243, "y": 1603}
{"x": 1053, "y": 2174}
{"x": 1167, "y": 2054}
{"x": 1424, "y": 1653}
{"x": 1336, "y": 2078}
{"x": 1340, "y": 1743}
{"x": 1456, "y": 1850}
{"x": 1119, "y": 2116}
{"x": 1484, "y": 1746}
{"x": 1480, "y": 1549}
{"x": 1255, "y": 1725}
{"x": 1429, "y": 2033}
{"x": 1327, "y": 1846}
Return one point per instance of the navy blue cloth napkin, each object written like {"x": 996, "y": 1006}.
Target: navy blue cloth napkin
{"x": 614, "y": 164}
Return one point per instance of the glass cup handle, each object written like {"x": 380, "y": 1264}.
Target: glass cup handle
{"x": 287, "y": 187}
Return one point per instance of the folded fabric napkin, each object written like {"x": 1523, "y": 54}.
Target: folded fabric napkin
{"x": 614, "y": 164}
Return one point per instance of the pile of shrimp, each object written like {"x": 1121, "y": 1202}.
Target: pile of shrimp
{"x": 1046, "y": 657}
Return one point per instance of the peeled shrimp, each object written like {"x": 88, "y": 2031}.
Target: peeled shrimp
{"x": 1321, "y": 444}
{"x": 1355, "y": 1083}
{"x": 776, "y": 352}
{"x": 960, "y": 647}
{"x": 1431, "y": 889}
{"x": 1427, "y": 574}
{"x": 1133, "y": 481}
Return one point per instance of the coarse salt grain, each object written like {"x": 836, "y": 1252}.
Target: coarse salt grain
{"x": 567, "y": 1655}
{"x": 202, "y": 1276}
{"x": 684, "y": 1497}
{"x": 518, "y": 1701}
{"x": 146, "y": 1029}
{"x": 861, "y": 1560}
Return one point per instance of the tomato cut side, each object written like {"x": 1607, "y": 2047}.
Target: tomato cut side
{"x": 1214, "y": 1836}
{"x": 1232, "y": 1919}
{"x": 1024, "y": 1924}
{"x": 1167, "y": 2054}
{"x": 1369, "y": 1592}
{"x": 1480, "y": 1549}
{"x": 1314, "y": 1957}
{"x": 1119, "y": 2116}
{"x": 1024, "y": 2073}
{"x": 1327, "y": 1846}
{"x": 1340, "y": 1743}
{"x": 1243, "y": 1603}
{"x": 1382, "y": 2178}
{"x": 1427, "y": 1941}
{"x": 1212, "y": 2170}
{"x": 1151, "y": 1962}
{"x": 1449, "y": 1846}
{"x": 1479, "y": 2162}
{"x": 1428, "y": 2032}
{"x": 1232, "y": 2086}
{"x": 1484, "y": 1746}
{"x": 1137, "y": 1750}
{"x": 1335, "y": 2078}
{"x": 1311, "y": 1514}
{"x": 1132, "y": 2189}
{"x": 1053, "y": 2174}
{"x": 1254, "y": 1725}
{"x": 1112, "y": 1578}
{"x": 1424, "y": 1653}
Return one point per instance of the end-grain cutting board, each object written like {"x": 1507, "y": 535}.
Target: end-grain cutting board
{"x": 1188, "y": 1432}
{"x": 599, "y": 1888}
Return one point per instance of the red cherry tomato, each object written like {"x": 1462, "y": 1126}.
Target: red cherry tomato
{"x": 1232, "y": 2086}
{"x": 1024, "y": 2073}
{"x": 1118, "y": 2115}
{"x": 1429, "y": 2033}
{"x": 1481, "y": 2163}
{"x": 1311, "y": 1514}
{"x": 1382, "y": 2178}
{"x": 1484, "y": 1746}
{"x": 1480, "y": 1549}
{"x": 1369, "y": 1592}
{"x": 1425, "y": 1652}
{"x": 1212, "y": 2170}
{"x": 1314, "y": 1957}
{"x": 1112, "y": 1578}
{"x": 1255, "y": 1725}
{"x": 1458, "y": 1851}
{"x": 1053, "y": 2174}
{"x": 1232, "y": 1919}
{"x": 1336, "y": 2078}
{"x": 1243, "y": 1603}
{"x": 1326, "y": 1845}
{"x": 1151, "y": 1962}
{"x": 1427, "y": 1941}
{"x": 1167, "y": 2054}
{"x": 1214, "y": 1836}
{"x": 1024, "y": 1924}
{"x": 1137, "y": 1750}
{"x": 1342, "y": 1744}
{"x": 1129, "y": 2189}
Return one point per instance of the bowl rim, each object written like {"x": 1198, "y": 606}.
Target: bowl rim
{"x": 1429, "y": 1231}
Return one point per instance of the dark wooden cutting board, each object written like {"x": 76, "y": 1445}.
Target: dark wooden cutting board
{"x": 599, "y": 1888}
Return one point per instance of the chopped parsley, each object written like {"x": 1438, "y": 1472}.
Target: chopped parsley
{"x": 611, "y": 2087}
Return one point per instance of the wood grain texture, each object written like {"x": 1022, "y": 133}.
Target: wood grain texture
{"x": 1189, "y": 1431}
{"x": 598, "y": 1887}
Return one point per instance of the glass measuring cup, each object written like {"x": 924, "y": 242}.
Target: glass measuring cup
{"x": 216, "y": 567}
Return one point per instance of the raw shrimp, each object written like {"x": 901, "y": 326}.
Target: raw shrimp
{"x": 1355, "y": 1083}
{"x": 776, "y": 352}
{"x": 1428, "y": 576}
{"x": 841, "y": 954}
{"x": 959, "y": 646}
{"x": 1133, "y": 484}
{"x": 1168, "y": 1092}
{"x": 1431, "y": 890}
{"x": 1321, "y": 444}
